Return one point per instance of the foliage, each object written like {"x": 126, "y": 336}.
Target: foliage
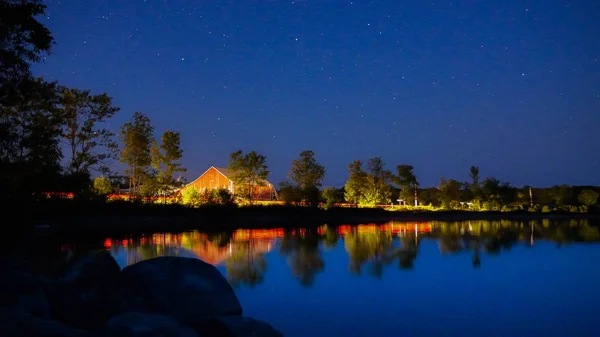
{"x": 356, "y": 182}
{"x": 191, "y": 196}
{"x": 407, "y": 180}
{"x": 136, "y": 137}
{"x": 308, "y": 175}
{"x": 221, "y": 196}
{"x": 165, "y": 159}
{"x": 449, "y": 193}
{"x": 332, "y": 196}
{"x": 562, "y": 195}
{"x": 288, "y": 193}
{"x": 103, "y": 186}
{"x": 248, "y": 172}
{"x": 90, "y": 145}
{"x": 23, "y": 39}
{"x": 588, "y": 197}
{"x": 29, "y": 147}
{"x": 368, "y": 189}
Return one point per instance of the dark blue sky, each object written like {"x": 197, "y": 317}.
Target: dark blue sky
{"x": 511, "y": 86}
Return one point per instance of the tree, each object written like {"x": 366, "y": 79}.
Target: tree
{"x": 23, "y": 39}
{"x": 288, "y": 193}
{"x": 248, "y": 172}
{"x": 90, "y": 145}
{"x": 103, "y": 186}
{"x": 449, "y": 193}
{"x": 588, "y": 197}
{"x": 191, "y": 196}
{"x": 165, "y": 159}
{"x": 29, "y": 146}
{"x": 308, "y": 175}
{"x": 136, "y": 136}
{"x": 356, "y": 183}
{"x": 497, "y": 193}
{"x": 562, "y": 195}
{"x": 377, "y": 190}
{"x": 474, "y": 174}
{"x": 306, "y": 172}
{"x": 332, "y": 196}
{"x": 407, "y": 180}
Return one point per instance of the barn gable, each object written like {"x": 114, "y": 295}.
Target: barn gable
{"x": 218, "y": 178}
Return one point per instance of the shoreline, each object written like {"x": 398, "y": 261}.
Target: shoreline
{"x": 218, "y": 220}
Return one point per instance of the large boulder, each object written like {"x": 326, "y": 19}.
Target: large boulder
{"x": 136, "y": 324}
{"x": 18, "y": 324}
{"x": 89, "y": 292}
{"x": 18, "y": 279}
{"x": 234, "y": 326}
{"x": 181, "y": 287}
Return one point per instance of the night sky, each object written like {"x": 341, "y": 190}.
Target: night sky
{"x": 510, "y": 86}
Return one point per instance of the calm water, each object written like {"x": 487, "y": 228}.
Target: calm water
{"x": 476, "y": 278}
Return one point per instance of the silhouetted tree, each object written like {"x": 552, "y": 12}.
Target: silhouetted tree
{"x": 165, "y": 161}
{"x": 407, "y": 180}
{"x": 136, "y": 137}
{"x": 90, "y": 145}
{"x": 308, "y": 176}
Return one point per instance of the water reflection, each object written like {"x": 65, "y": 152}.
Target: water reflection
{"x": 369, "y": 248}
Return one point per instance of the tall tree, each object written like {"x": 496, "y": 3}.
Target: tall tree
{"x": 588, "y": 197}
{"x": 28, "y": 142}
{"x": 165, "y": 160}
{"x": 474, "y": 186}
{"x": 357, "y": 180}
{"x": 29, "y": 146}
{"x": 90, "y": 144}
{"x": 474, "y": 174}
{"x": 449, "y": 193}
{"x": 407, "y": 180}
{"x": 377, "y": 189}
{"x": 136, "y": 136}
{"x": 248, "y": 172}
{"x": 308, "y": 175}
{"x": 23, "y": 40}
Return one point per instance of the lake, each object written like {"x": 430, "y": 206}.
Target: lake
{"x": 472, "y": 278}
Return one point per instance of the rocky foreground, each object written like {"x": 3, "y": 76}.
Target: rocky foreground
{"x": 166, "y": 296}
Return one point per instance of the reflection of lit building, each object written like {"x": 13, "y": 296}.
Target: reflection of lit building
{"x": 260, "y": 241}
{"x": 395, "y": 228}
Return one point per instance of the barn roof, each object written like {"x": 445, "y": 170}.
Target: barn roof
{"x": 225, "y": 172}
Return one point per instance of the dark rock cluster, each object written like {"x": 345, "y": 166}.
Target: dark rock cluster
{"x": 165, "y": 296}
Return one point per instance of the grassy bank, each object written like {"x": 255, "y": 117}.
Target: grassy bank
{"x": 73, "y": 216}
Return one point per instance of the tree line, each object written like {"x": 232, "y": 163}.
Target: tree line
{"x": 54, "y": 138}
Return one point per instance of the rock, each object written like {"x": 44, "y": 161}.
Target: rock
{"x": 234, "y": 326}
{"x": 89, "y": 293}
{"x": 182, "y": 287}
{"x": 18, "y": 324}
{"x": 18, "y": 279}
{"x": 136, "y": 324}
{"x": 92, "y": 268}
{"x": 35, "y": 304}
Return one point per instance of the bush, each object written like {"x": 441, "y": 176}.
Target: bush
{"x": 103, "y": 186}
{"x": 191, "y": 197}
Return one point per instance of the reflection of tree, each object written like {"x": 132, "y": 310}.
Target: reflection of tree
{"x": 374, "y": 247}
{"x": 303, "y": 254}
{"x": 330, "y": 237}
{"x": 245, "y": 265}
{"x": 407, "y": 252}
{"x": 495, "y": 236}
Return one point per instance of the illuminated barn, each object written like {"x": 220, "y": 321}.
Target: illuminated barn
{"x": 218, "y": 178}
